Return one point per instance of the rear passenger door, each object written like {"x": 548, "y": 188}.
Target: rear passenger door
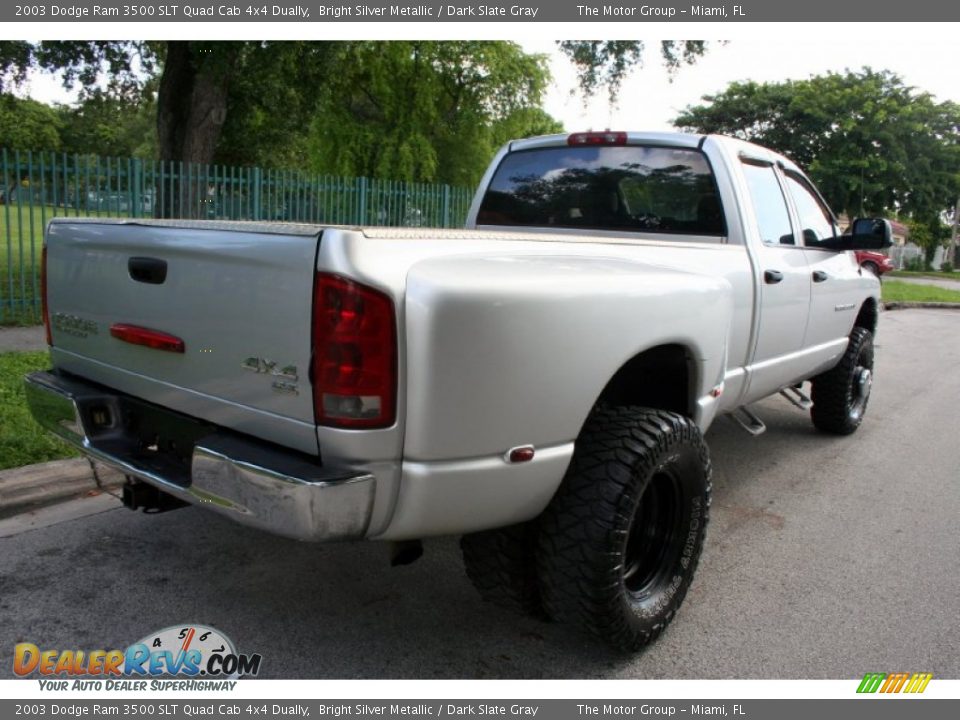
{"x": 784, "y": 279}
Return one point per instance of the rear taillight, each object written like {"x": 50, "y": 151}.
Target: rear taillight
{"x": 354, "y": 354}
{"x": 598, "y": 138}
{"x": 44, "y": 307}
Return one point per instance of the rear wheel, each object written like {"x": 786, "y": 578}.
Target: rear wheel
{"x": 502, "y": 567}
{"x": 840, "y": 395}
{"x": 871, "y": 267}
{"x": 619, "y": 543}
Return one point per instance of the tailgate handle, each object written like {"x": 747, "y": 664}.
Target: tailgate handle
{"x": 147, "y": 270}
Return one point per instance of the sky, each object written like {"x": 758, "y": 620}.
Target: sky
{"x": 924, "y": 56}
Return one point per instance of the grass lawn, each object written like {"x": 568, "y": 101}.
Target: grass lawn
{"x": 22, "y": 441}
{"x": 893, "y": 291}
{"x": 955, "y": 275}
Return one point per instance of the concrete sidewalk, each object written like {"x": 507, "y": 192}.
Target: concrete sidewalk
{"x": 35, "y": 486}
{"x": 945, "y": 283}
{"x": 22, "y": 339}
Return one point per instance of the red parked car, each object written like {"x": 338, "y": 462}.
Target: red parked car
{"x": 874, "y": 262}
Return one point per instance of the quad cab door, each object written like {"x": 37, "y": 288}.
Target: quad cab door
{"x": 783, "y": 282}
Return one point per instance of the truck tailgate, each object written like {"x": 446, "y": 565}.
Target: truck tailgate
{"x": 239, "y": 298}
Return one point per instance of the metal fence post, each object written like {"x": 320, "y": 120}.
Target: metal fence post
{"x": 256, "y": 191}
{"x": 136, "y": 186}
{"x": 361, "y": 201}
{"x": 446, "y": 206}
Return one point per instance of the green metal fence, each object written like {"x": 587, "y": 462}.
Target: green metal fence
{"x": 36, "y": 186}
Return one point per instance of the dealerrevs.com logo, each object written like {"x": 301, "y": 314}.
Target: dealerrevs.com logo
{"x": 894, "y": 683}
{"x": 190, "y": 651}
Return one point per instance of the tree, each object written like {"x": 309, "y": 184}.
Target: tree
{"x": 872, "y": 144}
{"x": 607, "y": 63}
{"x": 125, "y": 127}
{"x": 425, "y": 110}
{"x": 199, "y": 82}
{"x": 28, "y": 124}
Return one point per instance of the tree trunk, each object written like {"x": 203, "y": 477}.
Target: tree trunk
{"x": 191, "y": 110}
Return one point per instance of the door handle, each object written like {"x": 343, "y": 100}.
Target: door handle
{"x": 147, "y": 270}
{"x": 772, "y": 277}
{"x": 820, "y": 276}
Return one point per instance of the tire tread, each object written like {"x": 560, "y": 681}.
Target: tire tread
{"x": 576, "y": 529}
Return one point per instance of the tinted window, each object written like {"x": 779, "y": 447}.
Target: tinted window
{"x": 626, "y": 188}
{"x": 769, "y": 205}
{"x": 814, "y": 217}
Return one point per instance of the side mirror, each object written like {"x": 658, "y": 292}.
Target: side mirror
{"x": 870, "y": 234}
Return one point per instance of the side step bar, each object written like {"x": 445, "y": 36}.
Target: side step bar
{"x": 797, "y": 397}
{"x": 746, "y": 419}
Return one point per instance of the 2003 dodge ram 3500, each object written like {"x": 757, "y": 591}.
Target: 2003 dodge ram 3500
{"x": 538, "y": 383}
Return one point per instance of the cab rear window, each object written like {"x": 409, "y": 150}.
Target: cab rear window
{"x": 622, "y": 188}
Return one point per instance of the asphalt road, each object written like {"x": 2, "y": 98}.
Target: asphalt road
{"x": 826, "y": 558}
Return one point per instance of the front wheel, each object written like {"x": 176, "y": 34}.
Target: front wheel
{"x": 840, "y": 395}
{"x": 619, "y": 543}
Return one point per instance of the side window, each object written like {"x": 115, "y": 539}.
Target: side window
{"x": 769, "y": 205}
{"x": 815, "y": 219}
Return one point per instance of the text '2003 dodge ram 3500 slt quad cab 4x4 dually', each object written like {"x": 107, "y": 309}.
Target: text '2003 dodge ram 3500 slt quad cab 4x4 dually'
{"x": 538, "y": 383}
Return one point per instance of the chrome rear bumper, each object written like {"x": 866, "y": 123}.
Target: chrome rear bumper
{"x": 277, "y": 490}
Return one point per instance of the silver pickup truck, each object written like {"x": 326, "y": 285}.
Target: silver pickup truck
{"x": 539, "y": 383}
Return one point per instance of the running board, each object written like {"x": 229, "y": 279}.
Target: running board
{"x": 746, "y": 419}
{"x": 797, "y": 397}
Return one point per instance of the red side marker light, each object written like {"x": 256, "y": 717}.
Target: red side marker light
{"x": 154, "y": 339}
{"x": 521, "y": 454}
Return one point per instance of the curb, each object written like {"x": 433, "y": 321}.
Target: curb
{"x": 34, "y": 486}
{"x": 903, "y": 305}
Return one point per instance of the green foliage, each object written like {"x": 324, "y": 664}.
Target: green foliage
{"x": 607, "y": 63}
{"x": 275, "y": 91}
{"x": 424, "y": 110}
{"x": 22, "y": 441}
{"x": 946, "y": 267}
{"x": 124, "y": 63}
{"x": 107, "y": 123}
{"x": 15, "y": 59}
{"x": 873, "y": 145}
{"x": 28, "y": 124}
